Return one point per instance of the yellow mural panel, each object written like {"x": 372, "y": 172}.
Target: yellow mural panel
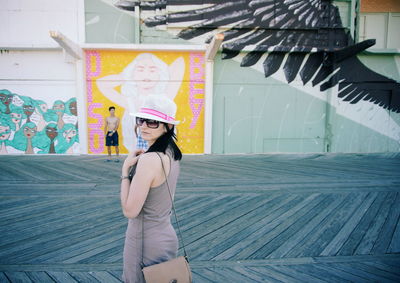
{"x": 124, "y": 78}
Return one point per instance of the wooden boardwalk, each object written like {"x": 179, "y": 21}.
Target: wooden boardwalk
{"x": 245, "y": 218}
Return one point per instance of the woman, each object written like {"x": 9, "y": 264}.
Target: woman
{"x": 146, "y": 200}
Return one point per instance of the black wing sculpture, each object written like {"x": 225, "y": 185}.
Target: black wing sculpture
{"x": 305, "y": 37}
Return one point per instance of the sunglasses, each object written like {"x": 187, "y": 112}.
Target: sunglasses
{"x": 152, "y": 124}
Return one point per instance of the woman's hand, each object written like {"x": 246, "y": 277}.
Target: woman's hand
{"x": 131, "y": 160}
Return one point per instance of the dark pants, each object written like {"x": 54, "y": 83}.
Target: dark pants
{"x": 112, "y": 140}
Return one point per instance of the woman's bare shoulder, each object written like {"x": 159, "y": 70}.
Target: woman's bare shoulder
{"x": 149, "y": 159}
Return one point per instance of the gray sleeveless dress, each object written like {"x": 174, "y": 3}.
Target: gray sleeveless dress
{"x": 150, "y": 237}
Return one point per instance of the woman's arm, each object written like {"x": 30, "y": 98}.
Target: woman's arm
{"x": 134, "y": 194}
{"x": 105, "y": 126}
{"x": 107, "y": 86}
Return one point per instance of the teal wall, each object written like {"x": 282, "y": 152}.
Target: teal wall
{"x": 254, "y": 114}
{"x": 105, "y": 23}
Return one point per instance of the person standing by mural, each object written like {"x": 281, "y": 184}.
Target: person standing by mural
{"x": 146, "y": 75}
{"x": 111, "y": 133}
{"x": 146, "y": 200}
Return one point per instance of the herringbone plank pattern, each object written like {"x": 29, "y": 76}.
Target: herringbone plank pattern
{"x": 259, "y": 218}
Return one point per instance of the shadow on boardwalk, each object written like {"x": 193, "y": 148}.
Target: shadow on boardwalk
{"x": 245, "y": 218}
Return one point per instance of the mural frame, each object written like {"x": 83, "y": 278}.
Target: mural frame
{"x": 208, "y": 85}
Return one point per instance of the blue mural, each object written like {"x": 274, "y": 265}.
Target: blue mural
{"x": 30, "y": 126}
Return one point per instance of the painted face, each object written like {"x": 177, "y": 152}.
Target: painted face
{"x": 44, "y": 108}
{"x": 28, "y": 109}
{"x": 29, "y": 133}
{"x": 68, "y": 135}
{"x": 59, "y": 107}
{"x": 4, "y": 133}
{"x": 146, "y": 73}
{"x": 16, "y": 118}
{"x": 7, "y": 99}
{"x": 73, "y": 108}
{"x": 51, "y": 132}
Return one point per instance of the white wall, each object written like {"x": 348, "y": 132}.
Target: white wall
{"x": 26, "y": 23}
{"x": 32, "y": 64}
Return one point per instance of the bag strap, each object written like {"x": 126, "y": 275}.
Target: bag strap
{"x": 173, "y": 208}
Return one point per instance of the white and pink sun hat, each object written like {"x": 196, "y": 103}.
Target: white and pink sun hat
{"x": 159, "y": 108}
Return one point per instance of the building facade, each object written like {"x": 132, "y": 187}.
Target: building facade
{"x": 309, "y": 76}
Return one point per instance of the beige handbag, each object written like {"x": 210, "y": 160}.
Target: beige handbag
{"x": 176, "y": 270}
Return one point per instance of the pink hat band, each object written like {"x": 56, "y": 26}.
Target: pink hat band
{"x": 157, "y": 113}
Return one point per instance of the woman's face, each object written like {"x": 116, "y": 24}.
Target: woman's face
{"x": 151, "y": 135}
{"x": 29, "y": 133}
{"x": 16, "y": 118}
{"x": 146, "y": 74}
{"x": 68, "y": 135}
{"x": 6, "y": 99}
{"x": 4, "y": 133}
{"x": 28, "y": 109}
{"x": 51, "y": 132}
{"x": 58, "y": 107}
{"x": 72, "y": 108}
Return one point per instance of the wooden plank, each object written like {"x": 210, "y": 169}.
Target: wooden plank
{"x": 274, "y": 230}
{"x": 395, "y": 242}
{"x": 39, "y": 276}
{"x": 372, "y": 233}
{"x": 51, "y": 221}
{"x": 276, "y": 274}
{"x": 358, "y": 233}
{"x": 226, "y": 211}
{"x": 198, "y": 276}
{"x": 352, "y": 268}
{"x": 321, "y": 273}
{"x": 243, "y": 226}
{"x": 52, "y": 243}
{"x": 61, "y": 277}
{"x": 383, "y": 275}
{"x": 255, "y": 240}
{"x": 104, "y": 276}
{"x": 255, "y": 276}
{"x": 231, "y": 275}
{"x": 303, "y": 233}
{"x": 83, "y": 276}
{"x": 300, "y": 276}
{"x": 340, "y": 238}
{"x": 44, "y": 219}
{"x": 278, "y": 236}
{"x": 321, "y": 236}
{"x": 107, "y": 244}
{"x": 382, "y": 244}
{"x": 82, "y": 249}
{"x": 382, "y": 265}
{"x": 56, "y": 238}
{"x": 18, "y": 276}
{"x": 3, "y": 278}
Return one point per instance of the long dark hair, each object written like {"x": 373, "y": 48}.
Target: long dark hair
{"x": 165, "y": 141}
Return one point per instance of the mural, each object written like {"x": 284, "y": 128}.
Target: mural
{"x": 304, "y": 37}
{"x": 124, "y": 78}
{"x": 30, "y": 126}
